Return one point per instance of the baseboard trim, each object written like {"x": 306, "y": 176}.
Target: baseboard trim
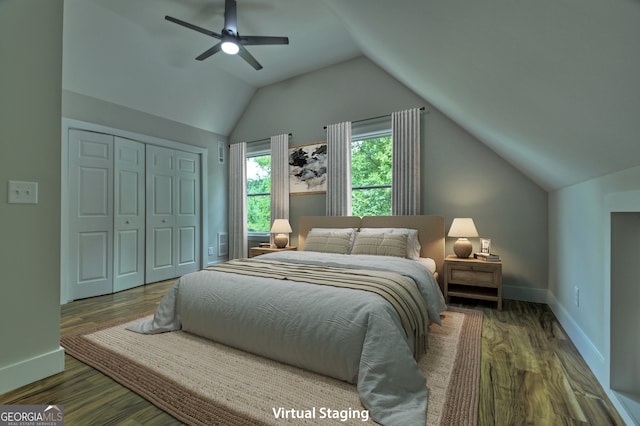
{"x": 535, "y": 295}
{"x": 593, "y": 357}
{"x": 628, "y": 407}
{"x": 31, "y": 370}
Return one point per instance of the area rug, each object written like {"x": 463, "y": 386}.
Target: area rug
{"x": 200, "y": 382}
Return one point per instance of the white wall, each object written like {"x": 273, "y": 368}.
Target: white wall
{"x": 579, "y": 241}
{"x": 30, "y": 84}
{"x": 460, "y": 176}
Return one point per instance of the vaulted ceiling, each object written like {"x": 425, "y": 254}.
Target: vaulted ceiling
{"x": 552, "y": 86}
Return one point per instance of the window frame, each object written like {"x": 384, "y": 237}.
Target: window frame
{"x": 372, "y": 131}
{"x": 258, "y": 151}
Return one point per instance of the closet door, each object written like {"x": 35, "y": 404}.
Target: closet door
{"x": 90, "y": 214}
{"x": 129, "y": 214}
{"x": 173, "y": 213}
{"x": 188, "y": 212}
{"x": 161, "y": 216}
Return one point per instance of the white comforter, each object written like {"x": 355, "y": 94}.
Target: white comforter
{"x": 347, "y": 334}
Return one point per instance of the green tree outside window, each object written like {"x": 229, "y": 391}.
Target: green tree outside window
{"x": 259, "y": 193}
{"x": 371, "y": 161}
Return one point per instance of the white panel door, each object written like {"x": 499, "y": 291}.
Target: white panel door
{"x": 161, "y": 214}
{"x": 91, "y": 213}
{"x": 129, "y": 214}
{"x": 173, "y": 213}
{"x": 188, "y": 212}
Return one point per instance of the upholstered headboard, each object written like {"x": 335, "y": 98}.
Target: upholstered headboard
{"x": 431, "y": 231}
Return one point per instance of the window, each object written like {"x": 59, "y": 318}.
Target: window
{"x": 259, "y": 193}
{"x": 371, "y": 159}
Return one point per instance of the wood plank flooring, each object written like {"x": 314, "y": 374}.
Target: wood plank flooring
{"x": 531, "y": 373}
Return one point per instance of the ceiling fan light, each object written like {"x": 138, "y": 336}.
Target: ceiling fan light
{"x": 230, "y": 47}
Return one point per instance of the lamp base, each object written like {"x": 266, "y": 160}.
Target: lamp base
{"x": 281, "y": 241}
{"x": 462, "y": 248}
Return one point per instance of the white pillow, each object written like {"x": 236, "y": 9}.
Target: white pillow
{"x": 351, "y": 231}
{"x": 413, "y": 244}
{"x": 428, "y": 263}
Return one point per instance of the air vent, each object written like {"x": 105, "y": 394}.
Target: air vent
{"x": 223, "y": 244}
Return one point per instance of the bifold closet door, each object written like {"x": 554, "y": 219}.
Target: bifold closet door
{"x": 173, "y": 213}
{"x": 90, "y": 214}
{"x": 188, "y": 210}
{"x": 129, "y": 214}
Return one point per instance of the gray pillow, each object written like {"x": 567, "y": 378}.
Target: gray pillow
{"x": 384, "y": 244}
{"x": 413, "y": 243}
{"x": 328, "y": 242}
{"x": 351, "y": 231}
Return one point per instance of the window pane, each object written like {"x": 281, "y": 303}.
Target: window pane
{"x": 258, "y": 193}
{"x": 371, "y": 161}
{"x": 258, "y": 213}
{"x": 259, "y": 175}
{"x": 371, "y": 202}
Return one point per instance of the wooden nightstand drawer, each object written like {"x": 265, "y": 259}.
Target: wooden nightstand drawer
{"x": 473, "y": 276}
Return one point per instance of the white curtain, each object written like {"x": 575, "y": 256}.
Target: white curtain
{"x": 238, "y": 201}
{"x": 279, "y": 178}
{"x": 339, "y": 169}
{"x": 405, "y": 186}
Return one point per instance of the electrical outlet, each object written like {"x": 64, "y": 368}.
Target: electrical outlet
{"x": 576, "y": 296}
{"x": 23, "y": 192}
{"x": 210, "y": 251}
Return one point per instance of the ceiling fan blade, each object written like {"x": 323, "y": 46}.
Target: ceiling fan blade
{"x": 193, "y": 27}
{"x": 244, "y": 54}
{"x": 262, "y": 40}
{"x": 230, "y": 16}
{"x": 205, "y": 55}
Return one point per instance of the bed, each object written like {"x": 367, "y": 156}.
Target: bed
{"x": 353, "y": 303}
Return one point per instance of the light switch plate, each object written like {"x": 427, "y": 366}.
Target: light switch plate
{"x": 23, "y": 192}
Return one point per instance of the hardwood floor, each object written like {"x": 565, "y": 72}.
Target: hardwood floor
{"x": 88, "y": 396}
{"x": 531, "y": 373}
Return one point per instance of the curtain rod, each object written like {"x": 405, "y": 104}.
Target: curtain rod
{"x": 374, "y": 118}
{"x": 263, "y": 139}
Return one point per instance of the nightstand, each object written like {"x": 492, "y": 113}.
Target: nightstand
{"x": 473, "y": 279}
{"x": 257, "y": 251}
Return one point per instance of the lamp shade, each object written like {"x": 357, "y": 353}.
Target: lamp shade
{"x": 281, "y": 226}
{"x": 463, "y": 227}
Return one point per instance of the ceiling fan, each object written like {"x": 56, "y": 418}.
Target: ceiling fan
{"x": 230, "y": 41}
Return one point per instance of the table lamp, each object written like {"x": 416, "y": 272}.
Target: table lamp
{"x": 463, "y": 228}
{"x": 282, "y": 228}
